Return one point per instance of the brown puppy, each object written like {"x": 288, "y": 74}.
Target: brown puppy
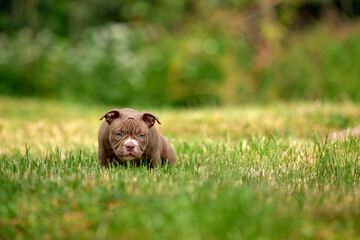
{"x": 128, "y": 135}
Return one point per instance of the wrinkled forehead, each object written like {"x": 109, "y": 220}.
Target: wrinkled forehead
{"x": 130, "y": 124}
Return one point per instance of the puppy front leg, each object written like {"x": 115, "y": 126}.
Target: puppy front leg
{"x": 102, "y": 157}
{"x": 155, "y": 162}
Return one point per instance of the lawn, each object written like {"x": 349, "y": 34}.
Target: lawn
{"x": 242, "y": 172}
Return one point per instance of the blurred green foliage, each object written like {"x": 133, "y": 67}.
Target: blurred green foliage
{"x": 180, "y": 52}
{"x": 316, "y": 71}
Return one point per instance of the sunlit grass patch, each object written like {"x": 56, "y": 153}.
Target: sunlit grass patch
{"x": 46, "y": 125}
{"x": 245, "y": 172}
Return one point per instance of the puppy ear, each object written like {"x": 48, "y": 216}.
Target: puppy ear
{"x": 111, "y": 115}
{"x": 149, "y": 118}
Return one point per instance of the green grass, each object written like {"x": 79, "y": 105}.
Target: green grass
{"x": 247, "y": 172}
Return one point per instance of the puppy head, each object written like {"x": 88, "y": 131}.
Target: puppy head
{"x": 129, "y": 131}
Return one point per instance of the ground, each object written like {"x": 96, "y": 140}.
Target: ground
{"x": 243, "y": 172}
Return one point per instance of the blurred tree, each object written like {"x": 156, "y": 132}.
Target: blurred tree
{"x": 186, "y": 52}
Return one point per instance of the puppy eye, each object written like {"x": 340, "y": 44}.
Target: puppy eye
{"x": 119, "y": 134}
{"x": 141, "y": 135}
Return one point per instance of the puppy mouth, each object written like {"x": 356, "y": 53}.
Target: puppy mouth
{"x": 130, "y": 156}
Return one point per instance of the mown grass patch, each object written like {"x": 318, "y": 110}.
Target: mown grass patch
{"x": 242, "y": 173}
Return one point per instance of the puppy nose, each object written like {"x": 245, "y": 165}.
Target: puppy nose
{"x": 130, "y": 146}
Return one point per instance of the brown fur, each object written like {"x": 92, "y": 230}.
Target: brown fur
{"x": 153, "y": 147}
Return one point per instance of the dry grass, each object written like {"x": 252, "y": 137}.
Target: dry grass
{"x": 46, "y": 125}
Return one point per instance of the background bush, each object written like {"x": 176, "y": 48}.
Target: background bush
{"x": 182, "y": 53}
